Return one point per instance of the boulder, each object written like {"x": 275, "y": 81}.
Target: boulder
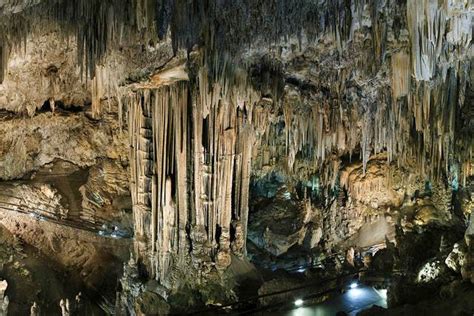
{"x": 429, "y": 272}
{"x": 457, "y": 257}
{"x": 283, "y": 222}
{"x": 149, "y": 303}
{"x": 467, "y": 269}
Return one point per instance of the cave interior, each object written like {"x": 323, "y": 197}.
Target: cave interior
{"x": 276, "y": 157}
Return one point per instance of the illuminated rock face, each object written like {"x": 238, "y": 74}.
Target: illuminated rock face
{"x": 364, "y": 109}
{"x": 190, "y": 162}
{"x": 467, "y": 268}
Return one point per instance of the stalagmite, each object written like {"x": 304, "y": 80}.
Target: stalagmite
{"x": 35, "y": 310}
{"x": 97, "y": 89}
{"x": 4, "y": 300}
{"x": 350, "y": 256}
{"x": 65, "y": 307}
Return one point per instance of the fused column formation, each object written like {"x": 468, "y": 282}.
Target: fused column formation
{"x": 190, "y": 165}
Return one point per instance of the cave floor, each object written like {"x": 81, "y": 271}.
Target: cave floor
{"x": 350, "y": 302}
{"x": 45, "y": 262}
{"x": 31, "y": 276}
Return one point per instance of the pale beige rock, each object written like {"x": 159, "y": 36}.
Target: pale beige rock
{"x": 456, "y": 258}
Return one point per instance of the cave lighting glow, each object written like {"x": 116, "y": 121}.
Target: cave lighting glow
{"x": 298, "y": 302}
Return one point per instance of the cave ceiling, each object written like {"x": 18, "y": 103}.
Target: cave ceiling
{"x": 301, "y": 46}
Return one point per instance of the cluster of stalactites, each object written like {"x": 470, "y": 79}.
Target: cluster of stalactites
{"x": 441, "y": 36}
{"x": 191, "y": 149}
{"x": 438, "y": 29}
{"x": 97, "y": 25}
{"x": 217, "y": 26}
{"x": 105, "y": 85}
{"x": 4, "y": 52}
{"x": 13, "y": 36}
{"x": 416, "y": 122}
{"x": 314, "y": 131}
{"x": 426, "y": 99}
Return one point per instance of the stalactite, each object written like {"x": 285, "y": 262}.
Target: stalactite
{"x": 379, "y": 30}
{"x": 4, "y": 52}
{"x": 400, "y": 74}
{"x": 13, "y": 37}
{"x": 366, "y": 140}
{"x": 426, "y": 23}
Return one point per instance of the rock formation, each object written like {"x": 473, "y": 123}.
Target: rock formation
{"x": 4, "y": 301}
{"x": 35, "y": 310}
{"x": 197, "y": 135}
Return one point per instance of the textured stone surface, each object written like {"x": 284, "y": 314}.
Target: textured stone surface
{"x": 457, "y": 257}
{"x": 28, "y": 144}
{"x": 283, "y": 222}
{"x": 48, "y": 63}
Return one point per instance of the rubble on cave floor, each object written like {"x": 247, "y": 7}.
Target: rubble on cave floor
{"x": 32, "y": 277}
